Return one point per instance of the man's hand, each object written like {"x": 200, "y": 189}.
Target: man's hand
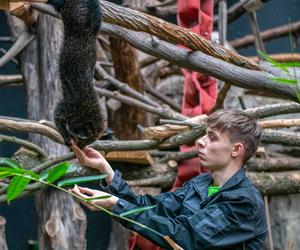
{"x": 85, "y": 193}
{"x": 92, "y": 158}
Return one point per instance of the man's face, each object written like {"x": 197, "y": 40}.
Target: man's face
{"x": 215, "y": 149}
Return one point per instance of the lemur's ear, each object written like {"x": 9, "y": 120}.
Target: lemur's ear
{"x": 238, "y": 149}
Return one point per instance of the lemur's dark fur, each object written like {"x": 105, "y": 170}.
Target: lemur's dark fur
{"x": 78, "y": 115}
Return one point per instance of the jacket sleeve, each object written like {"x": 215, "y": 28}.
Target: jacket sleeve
{"x": 215, "y": 227}
{"x": 172, "y": 200}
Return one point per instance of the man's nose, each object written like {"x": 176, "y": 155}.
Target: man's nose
{"x": 200, "y": 142}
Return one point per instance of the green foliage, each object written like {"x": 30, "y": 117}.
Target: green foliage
{"x": 78, "y": 180}
{"x": 9, "y": 162}
{"x": 58, "y": 171}
{"x": 137, "y": 210}
{"x": 22, "y": 177}
{"x": 5, "y": 174}
{"x": 284, "y": 80}
{"x": 291, "y": 64}
{"x": 284, "y": 67}
{"x": 16, "y": 187}
{"x": 97, "y": 198}
{"x": 272, "y": 61}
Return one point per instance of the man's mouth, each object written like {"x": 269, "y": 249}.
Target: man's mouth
{"x": 200, "y": 155}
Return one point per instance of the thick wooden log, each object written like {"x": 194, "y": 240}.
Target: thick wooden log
{"x": 280, "y": 123}
{"x": 137, "y": 157}
{"x": 270, "y": 164}
{"x": 159, "y": 133}
{"x": 276, "y": 183}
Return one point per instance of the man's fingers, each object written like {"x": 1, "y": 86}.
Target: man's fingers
{"x": 86, "y": 190}
{"x": 89, "y": 206}
{"x": 76, "y": 191}
{"x": 78, "y": 152}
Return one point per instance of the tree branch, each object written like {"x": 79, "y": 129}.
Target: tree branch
{"x": 284, "y": 30}
{"x": 138, "y": 21}
{"x": 25, "y": 144}
{"x": 30, "y": 127}
{"x": 24, "y": 39}
{"x": 205, "y": 64}
{"x": 10, "y": 79}
{"x": 163, "y": 111}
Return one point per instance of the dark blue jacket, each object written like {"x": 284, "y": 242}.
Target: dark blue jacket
{"x": 233, "y": 218}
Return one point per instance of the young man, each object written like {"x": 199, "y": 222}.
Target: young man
{"x": 220, "y": 210}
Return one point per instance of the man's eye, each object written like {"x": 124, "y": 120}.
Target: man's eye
{"x": 212, "y": 138}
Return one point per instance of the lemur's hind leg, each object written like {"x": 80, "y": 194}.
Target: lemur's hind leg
{"x": 62, "y": 123}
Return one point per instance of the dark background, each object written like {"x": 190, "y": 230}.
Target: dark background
{"x": 21, "y": 215}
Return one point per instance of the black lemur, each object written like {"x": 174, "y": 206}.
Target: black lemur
{"x": 78, "y": 115}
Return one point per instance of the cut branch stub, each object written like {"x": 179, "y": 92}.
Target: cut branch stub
{"x": 137, "y": 21}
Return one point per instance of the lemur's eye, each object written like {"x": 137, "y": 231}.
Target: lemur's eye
{"x": 81, "y": 135}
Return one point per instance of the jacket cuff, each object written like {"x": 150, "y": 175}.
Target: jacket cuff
{"x": 122, "y": 206}
{"x": 114, "y": 186}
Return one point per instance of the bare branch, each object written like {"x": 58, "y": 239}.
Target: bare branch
{"x": 275, "y": 109}
{"x": 125, "y": 88}
{"x": 24, "y": 39}
{"x": 25, "y": 144}
{"x": 163, "y": 111}
{"x": 30, "y": 127}
{"x": 280, "y": 123}
{"x": 10, "y": 79}
{"x": 284, "y": 30}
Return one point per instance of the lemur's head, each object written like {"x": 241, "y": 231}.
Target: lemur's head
{"x": 83, "y": 134}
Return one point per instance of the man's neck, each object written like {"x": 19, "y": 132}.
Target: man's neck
{"x": 220, "y": 177}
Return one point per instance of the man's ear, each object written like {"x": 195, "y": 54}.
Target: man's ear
{"x": 238, "y": 149}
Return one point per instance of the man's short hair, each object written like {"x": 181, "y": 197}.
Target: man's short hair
{"x": 239, "y": 126}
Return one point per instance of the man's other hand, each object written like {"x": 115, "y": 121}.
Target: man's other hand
{"x": 87, "y": 193}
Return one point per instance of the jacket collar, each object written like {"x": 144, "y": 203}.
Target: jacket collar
{"x": 239, "y": 176}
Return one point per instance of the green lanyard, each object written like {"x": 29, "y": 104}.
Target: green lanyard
{"x": 212, "y": 190}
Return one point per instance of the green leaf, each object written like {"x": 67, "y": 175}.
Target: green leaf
{"x": 16, "y": 186}
{"x": 4, "y": 175}
{"x": 291, "y": 64}
{"x": 97, "y": 198}
{"x": 9, "y": 162}
{"x": 44, "y": 175}
{"x": 137, "y": 210}
{"x": 58, "y": 171}
{"x": 77, "y": 180}
{"x": 298, "y": 95}
{"x": 71, "y": 169}
{"x": 271, "y": 60}
{"x": 19, "y": 171}
{"x": 284, "y": 80}
{"x": 12, "y": 170}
